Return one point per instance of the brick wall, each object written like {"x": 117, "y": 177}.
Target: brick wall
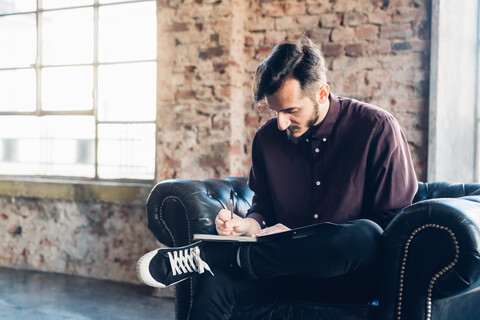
{"x": 92, "y": 239}
{"x": 377, "y": 51}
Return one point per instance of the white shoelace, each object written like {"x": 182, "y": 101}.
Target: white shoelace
{"x": 187, "y": 260}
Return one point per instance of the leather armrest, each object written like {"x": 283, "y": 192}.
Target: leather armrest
{"x": 176, "y": 209}
{"x": 430, "y": 250}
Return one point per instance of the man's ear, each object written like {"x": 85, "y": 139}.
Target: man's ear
{"x": 322, "y": 94}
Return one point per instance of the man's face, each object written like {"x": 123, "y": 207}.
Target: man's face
{"x": 296, "y": 112}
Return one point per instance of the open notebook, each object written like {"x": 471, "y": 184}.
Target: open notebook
{"x": 291, "y": 234}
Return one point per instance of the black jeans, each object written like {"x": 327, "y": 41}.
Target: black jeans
{"x": 336, "y": 263}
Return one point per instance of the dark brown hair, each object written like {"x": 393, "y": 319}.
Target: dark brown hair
{"x": 302, "y": 60}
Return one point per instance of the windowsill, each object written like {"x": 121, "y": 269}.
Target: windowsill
{"x": 76, "y": 190}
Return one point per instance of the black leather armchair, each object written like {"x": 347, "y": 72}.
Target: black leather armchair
{"x": 430, "y": 252}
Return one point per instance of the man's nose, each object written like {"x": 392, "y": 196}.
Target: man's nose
{"x": 283, "y": 121}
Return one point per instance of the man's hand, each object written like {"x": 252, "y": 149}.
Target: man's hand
{"x": 238, "y": 226}
{"x": 271, "y": 230}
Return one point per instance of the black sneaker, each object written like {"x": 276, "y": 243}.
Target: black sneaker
{"x": 167, "y": 266}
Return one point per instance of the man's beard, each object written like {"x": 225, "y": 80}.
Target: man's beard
{"x": 310, "y": 123}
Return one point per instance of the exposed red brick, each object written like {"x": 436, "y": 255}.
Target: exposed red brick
{"x": 354, "y": 18}
{"x": 379, "y": 47}
{"x": 343, "y": 34}
{"x": 285, "y": 23}
{"x": 274, "y": 37}
{"x": 319, "y": 35}
{"x": 397, "y": 31}
{"x": 331, "y": 20}
{"x": 379, "y": 17}
{"x": 272, "y": 10}
{"x": 366, "y": 32}
{"x": 332, "y": 49}
{"x": 318, "y": 8}
{"x": 185, "y": 94}
{"x": 293, "y": 8}
{"x": 174, "y": 27}
{"x": 354, "y": 50}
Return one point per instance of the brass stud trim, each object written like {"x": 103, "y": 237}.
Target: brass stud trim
{"x": 428, "y": 306}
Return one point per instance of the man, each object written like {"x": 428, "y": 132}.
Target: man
{"x": 338, "y": 165}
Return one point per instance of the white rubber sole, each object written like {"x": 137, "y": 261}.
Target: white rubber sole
{"x": 143, "y": 270}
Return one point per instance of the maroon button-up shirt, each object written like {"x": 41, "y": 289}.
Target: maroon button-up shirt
{"x": 355, "y": 164}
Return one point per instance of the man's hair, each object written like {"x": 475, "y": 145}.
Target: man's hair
{"x": 302, "y": 60}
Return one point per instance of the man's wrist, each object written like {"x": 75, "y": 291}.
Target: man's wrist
{"x": 253, "y": 226}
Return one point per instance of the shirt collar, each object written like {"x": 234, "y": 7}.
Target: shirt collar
{"x": 324, "y": 129}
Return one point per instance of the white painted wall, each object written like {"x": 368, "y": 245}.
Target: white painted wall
{"x": 452, "y": 123}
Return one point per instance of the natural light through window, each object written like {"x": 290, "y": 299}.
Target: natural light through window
{"x": 78, "y": 88}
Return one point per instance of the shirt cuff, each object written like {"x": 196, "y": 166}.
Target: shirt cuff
{"x": 259, "y": 218}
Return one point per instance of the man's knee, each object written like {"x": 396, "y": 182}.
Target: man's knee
{"x": 364, "y": 239}
{"x": 366, "y": 228}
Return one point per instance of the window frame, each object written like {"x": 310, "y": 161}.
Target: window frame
{"x": 38, "y": 66}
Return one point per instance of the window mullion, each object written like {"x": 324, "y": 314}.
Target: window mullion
{"x": 95, "y": 81}
{"x": 38, "y": 60}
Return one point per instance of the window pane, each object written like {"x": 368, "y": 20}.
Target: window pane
{"x": 55, "y": 145}
{"x": 126, "y": 151}
{"x": 53, "y": 4}
{"x": 67, "y": 36}
{"x": 127, "y": 32}
{"x": 17, "y": 90}
{"x": 127, "y": 92}
{"x": 11, "y": 6}
{"x": 18, "y": 40}
{"x": 67, "y": 88}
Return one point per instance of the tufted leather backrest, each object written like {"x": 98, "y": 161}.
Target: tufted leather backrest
{"x": 435, "y": 190}
{"x": 177, "y": 209}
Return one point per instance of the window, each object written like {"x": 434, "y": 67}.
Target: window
{"x": 78, "y": 88}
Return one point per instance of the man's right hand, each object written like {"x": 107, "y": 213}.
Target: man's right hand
{"x": 238, "y": 226}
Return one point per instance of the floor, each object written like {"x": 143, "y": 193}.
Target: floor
{"x": 30, "y": 295}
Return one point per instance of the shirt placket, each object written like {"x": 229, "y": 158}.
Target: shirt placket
{"x": 317, "y": 156}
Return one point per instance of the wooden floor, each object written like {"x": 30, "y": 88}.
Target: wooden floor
{"x": 31, "y": 295}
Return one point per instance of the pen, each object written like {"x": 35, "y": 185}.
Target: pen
{"x": 231, "y": 204}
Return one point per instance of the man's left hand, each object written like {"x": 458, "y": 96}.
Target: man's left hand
{"x": 271, "y": 230}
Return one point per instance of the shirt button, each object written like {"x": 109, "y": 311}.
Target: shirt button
{"x": 315, "y": 216}
{"x": 307, "y": 140}
{"x": 317, "y": 150}
{"x": 317, "y": 183}
{"x": 324, "y": 139}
